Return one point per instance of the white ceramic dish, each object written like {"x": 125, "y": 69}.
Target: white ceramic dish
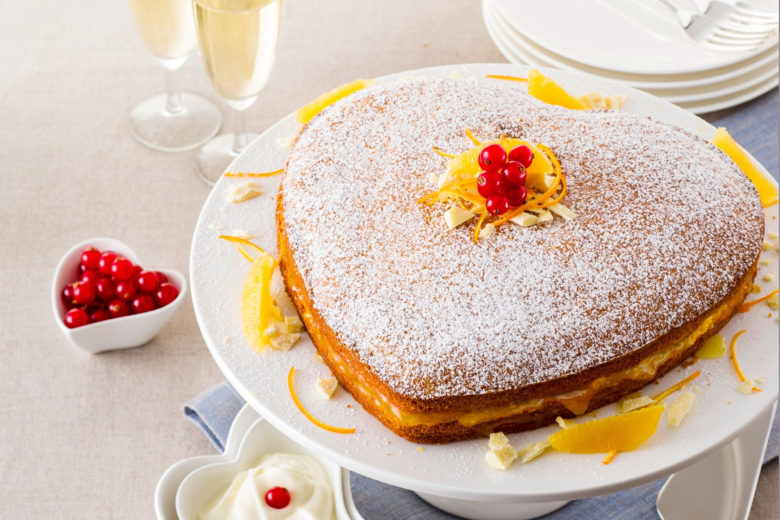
{"x": 187, "y": 486}
{"x": 671, "y": 87}
{"x": 655, "y": 82}
{"x": 630, "y": 36}
{"x": 454, "y": 470}
{"x": 118, "y": 333}
{"x": 712, "y": 95}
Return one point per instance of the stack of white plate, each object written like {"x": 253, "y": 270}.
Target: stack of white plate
{"x": 637, "y": 42}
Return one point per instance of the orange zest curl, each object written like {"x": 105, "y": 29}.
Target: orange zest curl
{"x": 306, "y": 413}
{"x": 677, "y": 386}
{"x": 242, "y": 241}
{"x": 248, "y": 174}
{"x": 508, "y": 78}
{"x": 473, "y": 139}
{"x": 443, "y": 153}
{"x": 478, "y": 227}
{"x": 746, "y": 306}
{"x": 733, "y": 353}
{"x": 611, "y": 455}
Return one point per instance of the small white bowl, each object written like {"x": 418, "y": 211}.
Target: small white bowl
{"x": 204, "y": 483}
{"x": 117, "y": 333}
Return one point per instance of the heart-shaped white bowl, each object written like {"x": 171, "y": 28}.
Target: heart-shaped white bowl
{"x": 117, "y": 333}
{"x": 200, "y": 487}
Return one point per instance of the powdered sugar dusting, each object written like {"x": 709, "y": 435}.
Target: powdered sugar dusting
{"x": 665, "y": 226}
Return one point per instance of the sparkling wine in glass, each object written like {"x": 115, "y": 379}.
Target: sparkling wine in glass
{"x": 173, "y": 121}
{"x": 237, "y": 40}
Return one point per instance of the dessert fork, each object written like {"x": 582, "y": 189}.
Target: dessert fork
{"x": 725, "y": 27}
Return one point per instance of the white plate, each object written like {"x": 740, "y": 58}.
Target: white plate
{"x": 457, "y": 469}
{"x": 731, "y": 76}
{"x": 715, "y": 96}
{"x": 631, "y": 36}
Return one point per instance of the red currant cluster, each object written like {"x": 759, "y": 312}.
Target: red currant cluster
{"x": 503, "y": 181}
{"x": 111, "y": 287}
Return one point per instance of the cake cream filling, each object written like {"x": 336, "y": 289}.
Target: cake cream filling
{"x": 576, "y": 401}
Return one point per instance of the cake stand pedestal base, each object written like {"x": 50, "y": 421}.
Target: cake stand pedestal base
{"x": 475, "y": 510}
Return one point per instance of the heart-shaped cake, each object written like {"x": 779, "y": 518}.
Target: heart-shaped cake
{"x": 444, "y": 338}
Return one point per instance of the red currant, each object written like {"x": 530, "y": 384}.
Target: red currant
{"x": 84, "y": 292}
{"x": 118, "y": 308}
{"x": 90, "y": 276}
{"x": 122, "y": 269}
{"x": 90, "y": 259}
{"x": 98, "y": 315}
{"x": 277, "y": 497}
{"x": 492, "y": 157}
{"x": 142, "y": 303}
{"x": 125, "y": 290}
{"x": 165, "y": 294}
{"x": 104, "y": 264}
{"x": 522, "y": 154}
{"x": 513, "y": 175}
{"x": 76, "y": 318}
{"x": 105, "y": 289}
{"x": 147, "y": 281}
{"x": 161, "y": 277}
{"x": 488, "y": 183}
{"x": 67, "y": 296}
{"x": 517, "y": 196}
{"x": 497, "y": 204}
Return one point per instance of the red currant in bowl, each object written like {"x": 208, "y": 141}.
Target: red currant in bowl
{"x": 110, "y": 314}
{"x": 492, "y": 157}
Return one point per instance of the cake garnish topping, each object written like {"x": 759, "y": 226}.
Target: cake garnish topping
{"x": 766, "y": 189}
{"x": 262, "y": 320}
{"x": 545, "y": 89}
{"x": 746, "y": 306}
{"x": 277, "y": 497}
{"x": 254, "y": 174}
{"x": 679, "y": 409}
{"x": 617, "y": 433}
{"x": 308, "y": 111}
{"x": 748, "y": 385}
{"x": 509, "y": 180}
{"x": 306, "y": 413}
{"x": 713, "y": 348}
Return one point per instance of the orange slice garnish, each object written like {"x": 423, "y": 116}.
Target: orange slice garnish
{"x": 306, "y": 413}
{"x": 545, "y": 89}
{"x": 618, "y": 433}
{"x": 766, "y": 190}
{"x": 308, "y": 111}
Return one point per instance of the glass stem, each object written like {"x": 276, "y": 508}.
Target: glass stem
{"x": 173, "y": 95}
{"x": 240, "y": 137}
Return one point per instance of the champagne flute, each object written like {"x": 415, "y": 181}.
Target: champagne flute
{"x": 237, "y": 40}
{"x": 173, "y": 121}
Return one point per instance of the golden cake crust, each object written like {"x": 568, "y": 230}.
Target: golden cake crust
{"x": 635, "y": 281}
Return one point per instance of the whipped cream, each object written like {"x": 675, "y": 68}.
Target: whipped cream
{"x": 311, "y": 494}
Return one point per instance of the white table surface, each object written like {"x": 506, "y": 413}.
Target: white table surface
{"x": 86, "y": 436}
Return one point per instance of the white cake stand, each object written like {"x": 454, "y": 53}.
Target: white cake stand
{"x": 455, "y": 476}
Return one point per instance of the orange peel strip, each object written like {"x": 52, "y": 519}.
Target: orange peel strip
{"x": 248, "y": 174}
{"x": 660, "y": 397}
{"x": 746, "y": 306}
{"x": 479, "y": 225}
{"x": 443, "y": 153}
{"x": 306, "y": 413}
{"x": 733, "y": 352}
{"x": 471, "y": 136}
{"x": 508, "y": 78}
{"x": 242, "y": 241}
{"x": 611, "y": 455}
